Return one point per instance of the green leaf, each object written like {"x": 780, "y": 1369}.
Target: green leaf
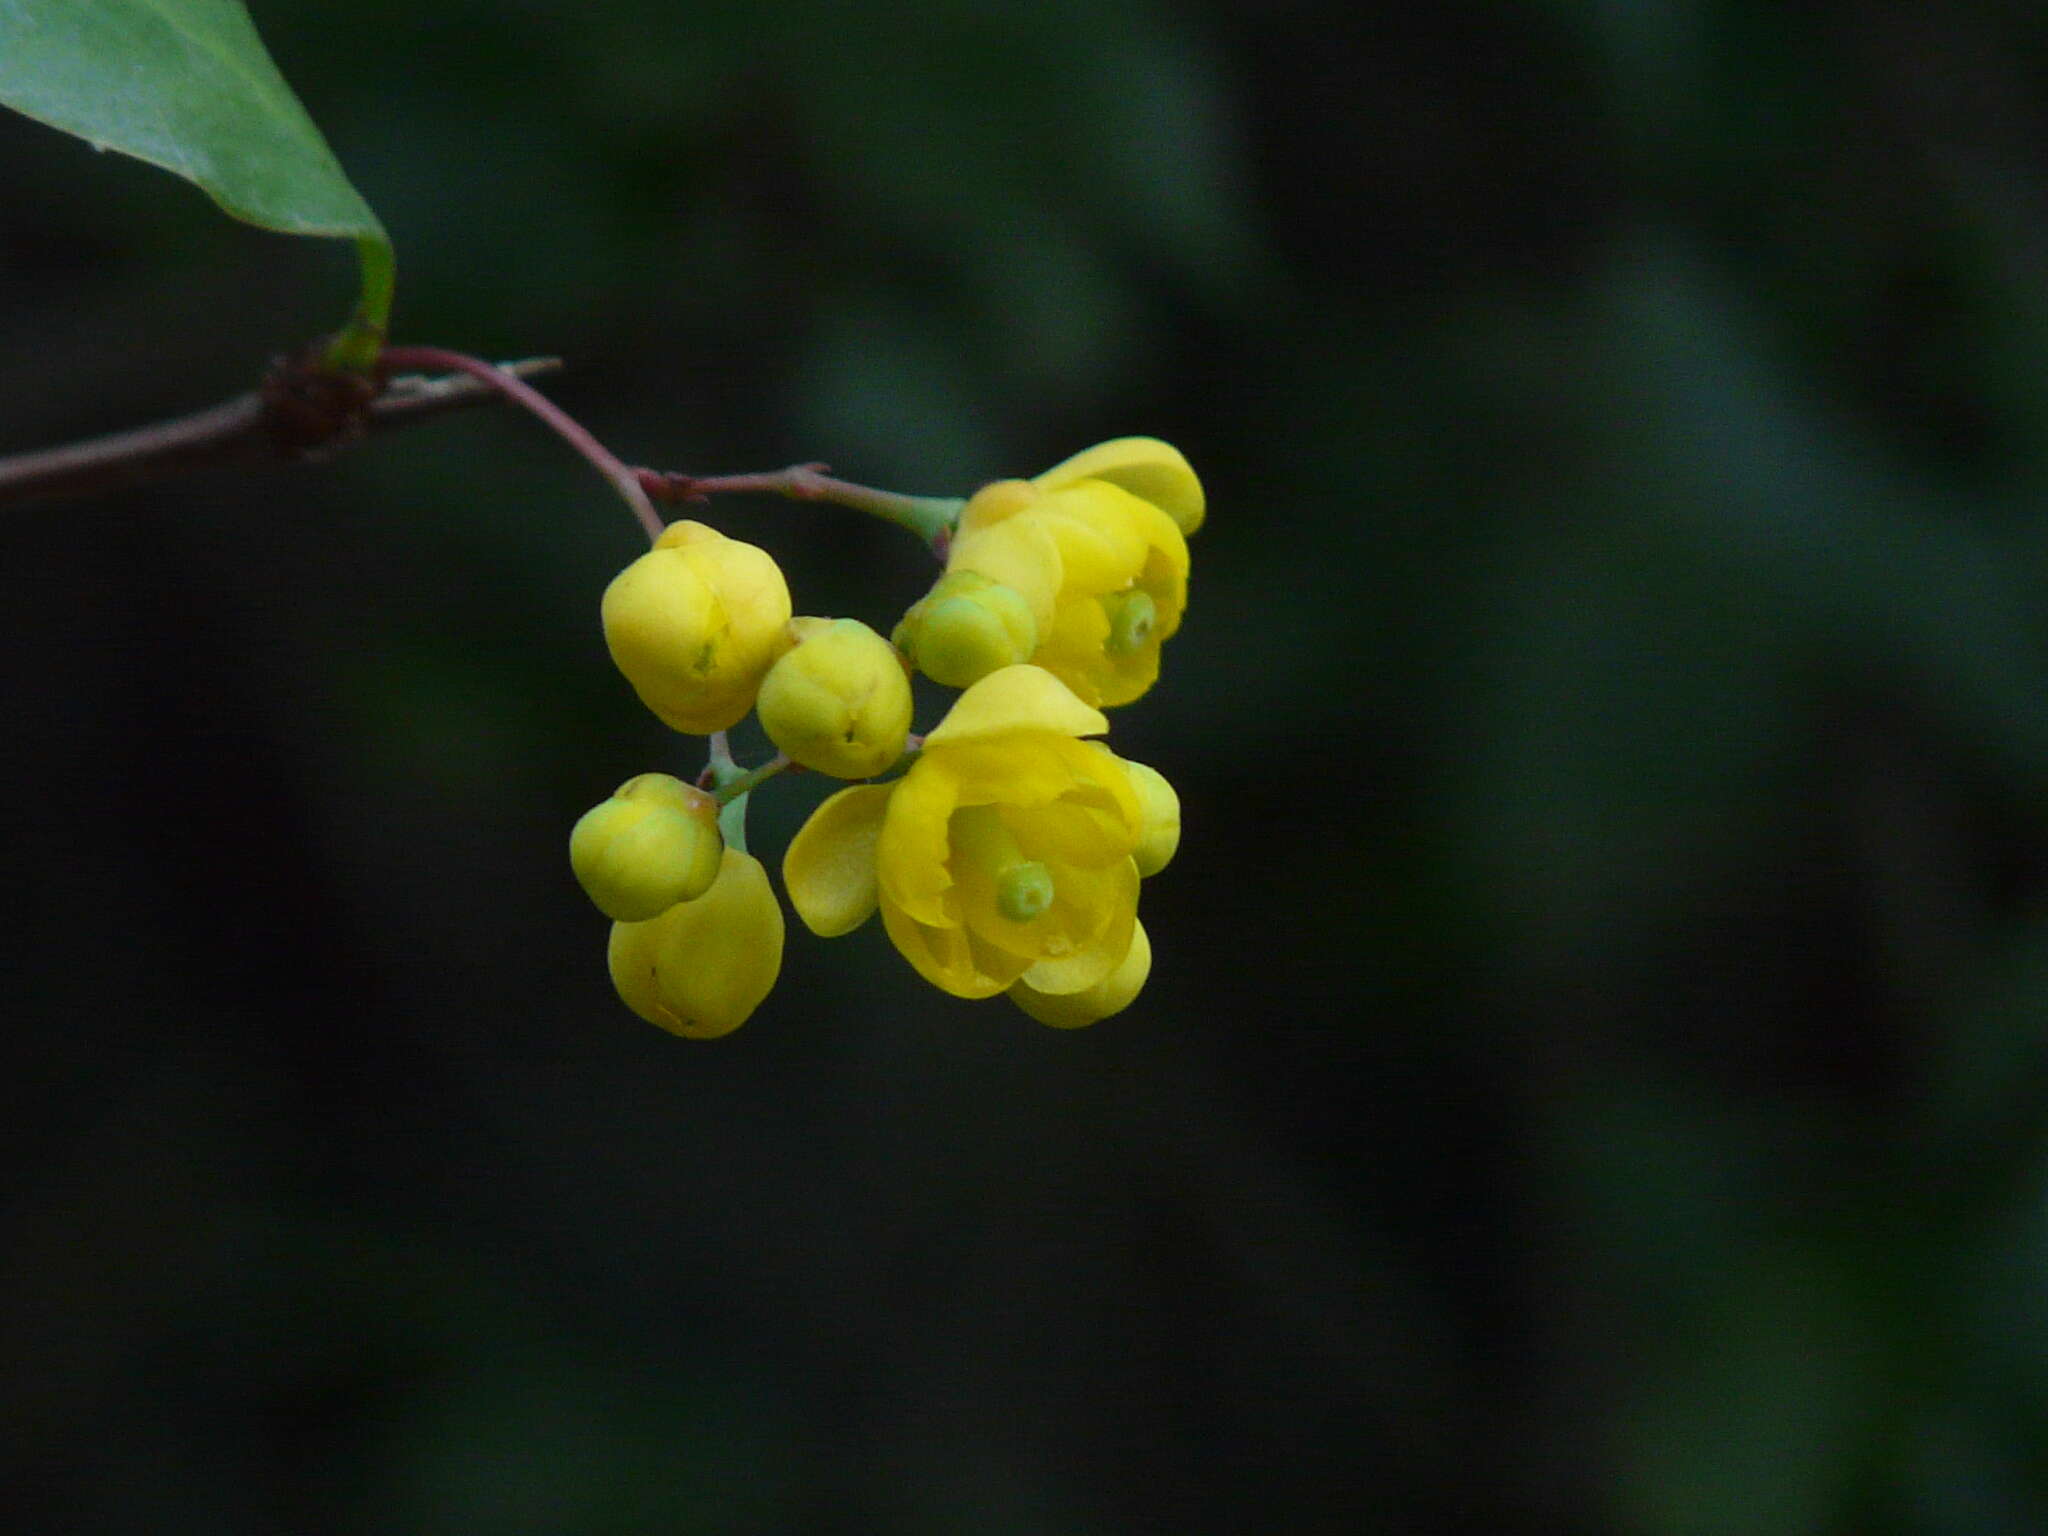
{"x": 187, "y": 85}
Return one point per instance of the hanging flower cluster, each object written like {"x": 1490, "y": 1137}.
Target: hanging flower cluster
{"x": 1005, "y": 849}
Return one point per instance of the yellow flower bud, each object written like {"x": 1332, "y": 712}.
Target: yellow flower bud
{"x": 653, "y": 844}
{"x": 1114, "y": 993}
{"x": 1158, "y": 818}
{"x": 966, "y": 627}
{"x": 703, "y": 966}
{"x": 695, "y": 623}
{"x": 838, "y": 701}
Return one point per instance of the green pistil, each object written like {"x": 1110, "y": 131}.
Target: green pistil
{"x": 1024, "y": 891}
{"x": 1131, "y": 617}
{"x": 1024, "y": 887}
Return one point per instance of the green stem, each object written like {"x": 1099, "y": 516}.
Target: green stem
{"x": 743, "y": 781}
{"x": 732, "y": 823}
{"x": 355, "y": 349}
{"x": 931, "y": 518}
{"x": 928, "y": 517}
{"x": 730, "y": 784}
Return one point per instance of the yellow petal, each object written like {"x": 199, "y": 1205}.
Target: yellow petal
{"x": 1122, "y": 679}
{"x": 912, "y": 849}
{"x": 1094, "y": 820}
{"x": 829, "y": 868}
{"x": 1114, "y": 993}
{"x": 1145, "y": 467}
{"x": 1088, "y": 833}
{"x": 1015, "y": 699}
{"x": 1075, "y": 650}
{"x": 949, "y": 958}
{"x": 1098, "y": 909}
{"x": 1019, "y": 769}
{"x": 1165, "y": 572}
{"x": 1095, "y": 526}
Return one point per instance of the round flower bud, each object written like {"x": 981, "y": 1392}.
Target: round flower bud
{"x": 1159, "y": 818}
{"x": 653, "y": 844}
{"x": 1114, "y": 993}
{"x": 838, "y": 701}
{"x": 703, "y": 966}
{"x": 966, "y": 627}
{"x": 694, "y": 624}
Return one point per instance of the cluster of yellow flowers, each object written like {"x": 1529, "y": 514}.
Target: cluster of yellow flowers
{"x": 1007, "y": 854}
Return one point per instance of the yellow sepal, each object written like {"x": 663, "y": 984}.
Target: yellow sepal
{"x": 1020, "y": 698}
{"x": 829, "y": 866}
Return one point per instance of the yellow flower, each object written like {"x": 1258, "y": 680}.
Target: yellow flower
{"x": 654, "y": 843}
{"x": 1102, "y": 570}
{"x": 703, "y": 966}
{"x": 838, "y": 702}
{"x": 694, "y": 624}
{"x": 1004, "y": 854}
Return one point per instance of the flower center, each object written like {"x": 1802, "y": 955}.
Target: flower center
{"x": 1131, "y": 617}
{"x": 981, "y": 838}
{"x": 1023, "y": 891}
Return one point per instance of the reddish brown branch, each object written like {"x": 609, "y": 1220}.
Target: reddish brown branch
{"x": 931, "y": 518}
{"x": 300, "y": 412}
{"x": 568, "y": 428}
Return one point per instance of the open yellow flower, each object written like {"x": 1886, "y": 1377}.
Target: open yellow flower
{"x": 1004, "y": 854}
{"x": 1103, "y": 570}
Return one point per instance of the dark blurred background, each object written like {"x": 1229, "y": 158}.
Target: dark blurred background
{"x": 1592, "y": 1081}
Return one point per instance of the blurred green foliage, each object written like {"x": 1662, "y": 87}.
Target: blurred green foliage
{"x": 1593, "y": 1076}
